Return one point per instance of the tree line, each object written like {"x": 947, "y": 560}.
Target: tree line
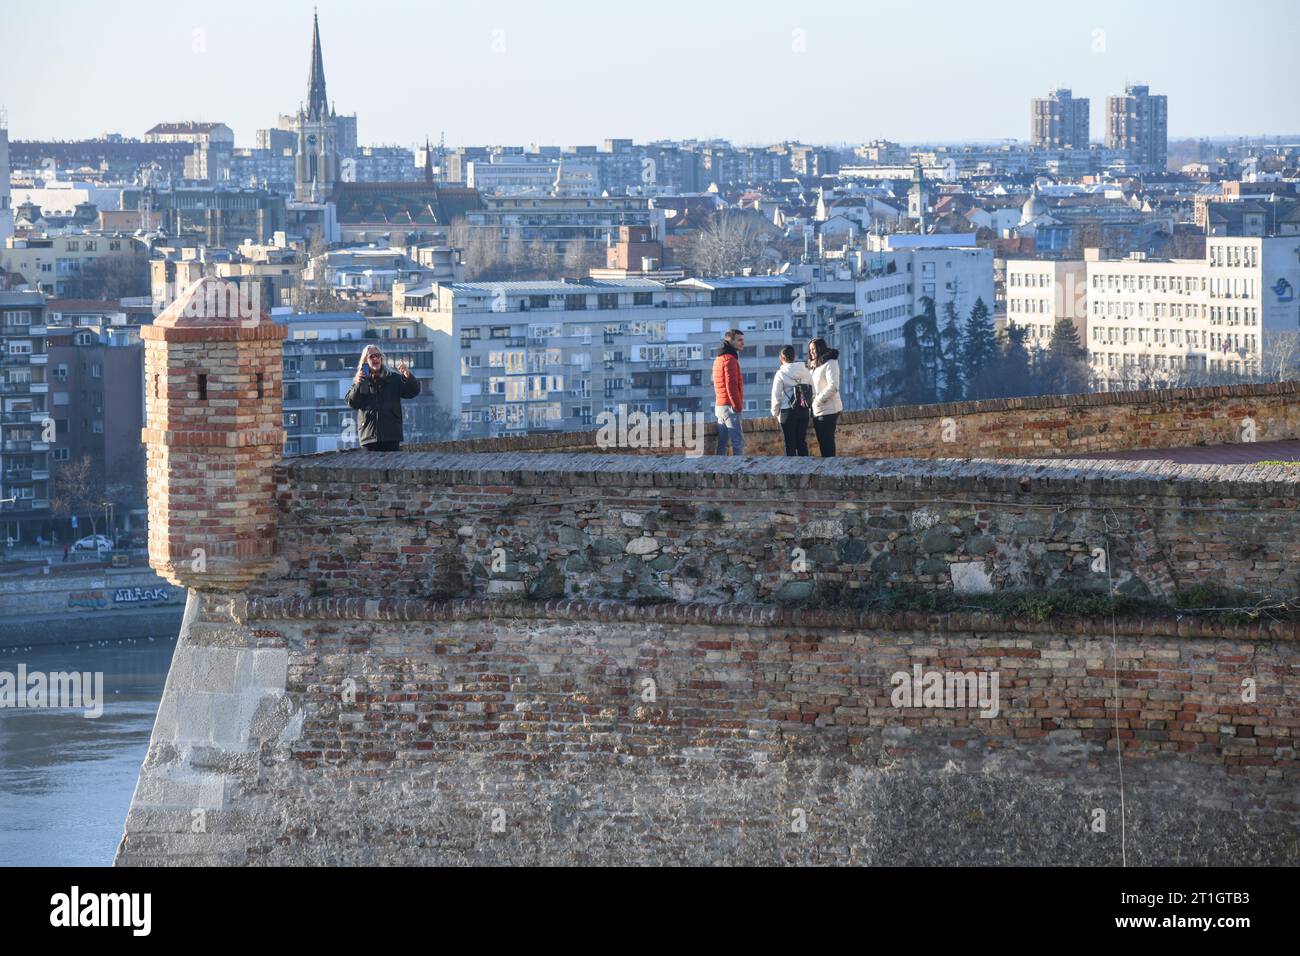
{"x": 953, "y": 360}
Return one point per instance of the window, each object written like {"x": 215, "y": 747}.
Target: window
{"x": 642, "y": 298}
{"x": 607, "y": 300}
{"x": 203, "y": 387}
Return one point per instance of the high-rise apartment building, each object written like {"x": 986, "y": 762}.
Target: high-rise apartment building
{"x": 1139, "y": 123}
{"x": 1060, "y": 121}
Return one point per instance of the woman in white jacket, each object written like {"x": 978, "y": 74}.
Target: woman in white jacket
{"x": 826, "y": 406}
{"x": 792, "y": 388}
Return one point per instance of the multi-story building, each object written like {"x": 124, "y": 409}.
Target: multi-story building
{"x": 1059, "y": 122}
{"x": 195, "y": 134}
{"x": 320, "y": 358}
{"x": 523, "y": 177}
{"x": 1139, "y": 123}
{"x": 1149, "y": 321}
{"x": 61, "y": 265}
{"x": 96, "y": 379}
{"x": 25, "y": 439}
{"x": 558, "y": 221}
{"x": 274, "y": 269}
{"x": 531, "y": 356}
{"x": 877, "y": 290}
{"x": 1042, "y": 292}
{"x": 218, "y": 217}
{"x": 380, "y": 164}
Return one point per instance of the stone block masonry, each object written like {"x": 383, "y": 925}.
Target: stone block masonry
{"x": 407, "y": 731}
{"x": 783, "y": 531}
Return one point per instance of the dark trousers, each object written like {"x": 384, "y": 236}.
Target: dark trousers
{"x": 824, "y": 426}
{"x": 383, "y": 446}
{"x": 794, "y": 429}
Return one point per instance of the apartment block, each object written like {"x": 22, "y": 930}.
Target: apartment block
{"x": 1138, "y": 122}
{"x": 1147, "y": 320}
{"x": 1059, "y": 121}
{"x": 887, "y": 284}
{"x": 558, "y": 221}
{"x": 25, "y": 441}
{"x": 514, "y": 357}
{"x": 321, "y": 353}
{"x": 1042, "y": 292}
{"x": 55, "y": 265}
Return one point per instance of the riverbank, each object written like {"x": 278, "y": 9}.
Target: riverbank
{"x": 86, "y": 601}
{"x": 19, "y": 632}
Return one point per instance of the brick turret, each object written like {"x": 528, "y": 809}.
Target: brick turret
{"x": 213, "y": 394}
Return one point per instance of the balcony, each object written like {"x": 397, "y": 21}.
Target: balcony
{"x": 40, "y": 358}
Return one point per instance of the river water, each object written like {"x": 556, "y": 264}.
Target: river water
{"x": 66, "y": 780}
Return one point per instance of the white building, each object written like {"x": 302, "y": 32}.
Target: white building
{"x": 1042, "y": 292}
{"x": 887, "y": 285}
{"x": 514, "y": 357}
{"x": 1147, "y": 320}
{"x": 512, "y": 178}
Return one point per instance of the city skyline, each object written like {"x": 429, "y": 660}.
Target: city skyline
{"x": 968, "y": 84}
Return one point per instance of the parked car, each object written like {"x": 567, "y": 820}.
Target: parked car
{"x": 94, "y": 542}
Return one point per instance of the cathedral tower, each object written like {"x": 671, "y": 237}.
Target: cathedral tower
{"x": 316, "y": 164}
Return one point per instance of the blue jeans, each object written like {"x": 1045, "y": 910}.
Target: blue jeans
{"x": 729, "y": 430}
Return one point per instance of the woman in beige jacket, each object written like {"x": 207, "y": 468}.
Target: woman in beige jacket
{"x": 824, "y": 363}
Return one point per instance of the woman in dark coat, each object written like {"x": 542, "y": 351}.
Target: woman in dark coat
{"x": 377, "y": 394}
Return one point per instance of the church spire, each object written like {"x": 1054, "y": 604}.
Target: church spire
{"x": 317, "y": 105}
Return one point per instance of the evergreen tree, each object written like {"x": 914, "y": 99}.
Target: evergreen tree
{"x": 915, "y": 380}
{"x": 952, "y": 388}
{"x": 1014, "y": 368}
{"x": 979, "y": 350}
{"x": 1065, "y": 362}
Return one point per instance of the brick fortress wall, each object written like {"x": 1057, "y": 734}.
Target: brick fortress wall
{"x": 1047, "y": 426}
{"x": 391, "y": 691}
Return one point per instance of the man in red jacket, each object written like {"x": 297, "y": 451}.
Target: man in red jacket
{"x": 729, "y": 393}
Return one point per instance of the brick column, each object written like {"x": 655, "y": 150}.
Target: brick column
{"x": 213, "y": 432}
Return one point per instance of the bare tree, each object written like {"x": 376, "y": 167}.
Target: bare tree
{"x": 1280, "y": 356}
{"x": 730, "y": 242}
{"x": 78, "y": 491}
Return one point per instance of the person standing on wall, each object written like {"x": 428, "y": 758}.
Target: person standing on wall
{"x": 792, "y": 391}
{"x": 826, "y": 404}
{"x": 729, "y": 393}
{"x": 377, "y": 394}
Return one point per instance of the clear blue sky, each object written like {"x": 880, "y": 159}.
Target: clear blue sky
{"x": 576, "y": 71}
